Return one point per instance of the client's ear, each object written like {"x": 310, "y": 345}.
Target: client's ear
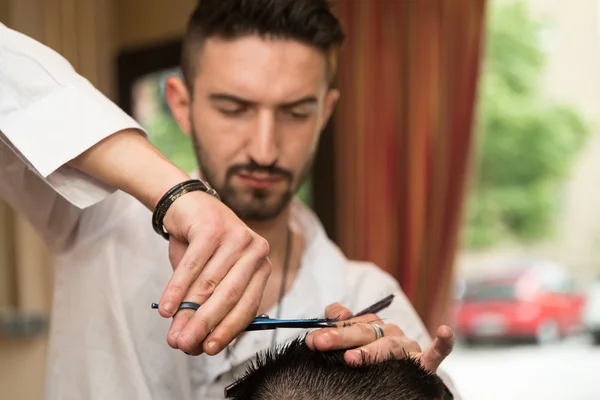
{"x": 178, "y": 98}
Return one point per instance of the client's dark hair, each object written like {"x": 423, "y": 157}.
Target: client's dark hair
{"x": 308, "y": 21}
{"x": 294, "y": 372}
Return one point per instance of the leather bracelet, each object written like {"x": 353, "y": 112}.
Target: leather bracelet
{"x": 173, "y": 194}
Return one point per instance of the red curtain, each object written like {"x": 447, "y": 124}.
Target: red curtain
{"x": 408, "y": 75}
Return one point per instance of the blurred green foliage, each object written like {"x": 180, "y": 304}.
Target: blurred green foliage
{"x": 527, "y": 142}
{"x": 165, "y": 134}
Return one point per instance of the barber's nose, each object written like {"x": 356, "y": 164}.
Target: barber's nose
{"x": 263, "y": 146}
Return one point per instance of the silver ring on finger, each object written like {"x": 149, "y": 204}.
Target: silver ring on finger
{"x": 378, "y": 331}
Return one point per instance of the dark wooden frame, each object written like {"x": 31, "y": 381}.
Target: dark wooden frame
{"x": 136, "y": 63}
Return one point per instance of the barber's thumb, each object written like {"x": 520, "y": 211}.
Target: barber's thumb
{"x": 438, "y": 350}
{"x": 337, "y": 310}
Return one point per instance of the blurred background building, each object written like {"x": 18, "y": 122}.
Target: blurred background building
{"x": 569, "y": 39}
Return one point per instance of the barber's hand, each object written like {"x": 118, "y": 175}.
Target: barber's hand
{"x": 218, "y": 263}
{"x": 360, "y": 337}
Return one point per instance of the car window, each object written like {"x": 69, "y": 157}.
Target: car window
{"x": 556, "y": 281}
{"x": 491, "y": 292}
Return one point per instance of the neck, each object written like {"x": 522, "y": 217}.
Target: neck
{"x": 276, "y": 233}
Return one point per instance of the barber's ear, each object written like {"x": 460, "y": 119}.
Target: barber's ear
{"x": 333, "y": 95}
{"x": 178, "y": 98}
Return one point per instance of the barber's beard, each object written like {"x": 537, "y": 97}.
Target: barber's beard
{"x": 260, "y": 205}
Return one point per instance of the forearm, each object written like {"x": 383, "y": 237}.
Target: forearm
{"x": 128, "y": 161}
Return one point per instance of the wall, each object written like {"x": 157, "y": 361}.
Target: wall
{"x": 573, "y": 75}
{"x": 160, "y": 20}
{"x": 89, "y": 33}
{"x": 81, "y": 30}
{"x": 22, "y": 362}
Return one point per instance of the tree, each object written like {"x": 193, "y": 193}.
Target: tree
{"x": 527, "y": 142}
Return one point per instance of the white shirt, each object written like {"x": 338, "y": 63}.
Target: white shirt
{"x": 105, "y": 340}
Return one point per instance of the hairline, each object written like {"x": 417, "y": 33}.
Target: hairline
{"x": 192, "y": 51}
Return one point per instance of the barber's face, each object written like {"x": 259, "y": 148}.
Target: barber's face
{"x": 256, "y": 114}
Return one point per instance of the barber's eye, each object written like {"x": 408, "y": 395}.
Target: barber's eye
{"x": 299, "y": 115}
{"x": 232, "y": 112}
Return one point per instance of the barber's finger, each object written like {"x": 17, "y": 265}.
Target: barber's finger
{"x": 196, "y": 351}
{"x": 382, "y": 350}
{"x": 241, "y": 315}
{"x": 337, "y": 310}
{"x": 212, "y": 274}
{"x": 192, "y": 263}
{"x": 225, "y": 298}
{"x": 365, "y": 319}
{"x": 355, "y": 335}
{"x": 326, "y": 339}
{"x": 177, "y": 249}
{"x": 331, "y": 341}
{"x": 439, "y": 349}
{"x": 179, "y": 321}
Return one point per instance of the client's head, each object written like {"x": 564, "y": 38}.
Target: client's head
{"x": 294, "y": 372}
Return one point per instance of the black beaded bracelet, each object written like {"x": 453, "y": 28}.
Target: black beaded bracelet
{"x": 173, "y": 194}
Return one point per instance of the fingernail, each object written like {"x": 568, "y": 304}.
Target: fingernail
{"x": 176, "y": 334}
{"x": 212, "y": 346}
{"x": 167, "y": 307}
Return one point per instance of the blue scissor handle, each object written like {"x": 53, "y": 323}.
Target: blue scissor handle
{"x": 264, "y": 322}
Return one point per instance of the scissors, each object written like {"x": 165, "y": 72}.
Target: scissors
{"x": 264, "y": 322}
{"x": 375, "y": 308}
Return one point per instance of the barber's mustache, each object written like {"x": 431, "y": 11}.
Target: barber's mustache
{"x": 271, "y": 170}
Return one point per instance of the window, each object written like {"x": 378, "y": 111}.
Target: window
{"x": 151, "y": 110}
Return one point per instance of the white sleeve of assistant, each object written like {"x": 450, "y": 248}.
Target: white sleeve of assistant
{"x": 49, "y": 114}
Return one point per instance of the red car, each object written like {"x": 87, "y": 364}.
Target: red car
{"x": 533, "y": 301}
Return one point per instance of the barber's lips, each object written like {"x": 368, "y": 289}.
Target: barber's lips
{"x": 259, "y": 181}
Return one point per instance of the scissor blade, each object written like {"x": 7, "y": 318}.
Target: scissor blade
{"x": 375, "y": 308}
{"x": 264, "y": 324}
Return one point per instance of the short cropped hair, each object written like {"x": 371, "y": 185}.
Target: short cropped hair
{"x": 294, "y": 372}
{"x": 308, "y": 21}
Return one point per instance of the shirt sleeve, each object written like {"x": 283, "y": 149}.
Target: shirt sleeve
{"x": 49, "y": 115}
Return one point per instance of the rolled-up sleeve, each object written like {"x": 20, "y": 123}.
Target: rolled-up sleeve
{"x": 49, "y": 115}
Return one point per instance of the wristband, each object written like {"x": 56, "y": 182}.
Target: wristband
{"x": 173, "y": 194}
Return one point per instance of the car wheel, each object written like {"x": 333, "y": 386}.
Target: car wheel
{"x": 547, "y": 332}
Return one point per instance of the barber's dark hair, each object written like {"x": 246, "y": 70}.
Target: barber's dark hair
{"x": 294, "y": 372}
{"x": 307, "y": 21}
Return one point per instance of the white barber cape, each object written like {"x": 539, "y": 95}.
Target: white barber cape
{"x": 105, "y": 340}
